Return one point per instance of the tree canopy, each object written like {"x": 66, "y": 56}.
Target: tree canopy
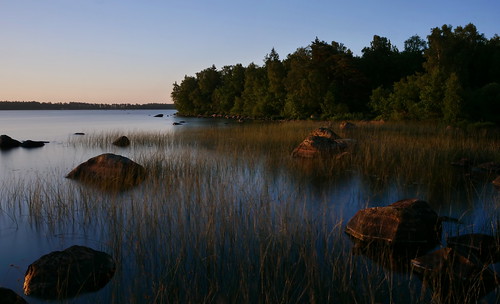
{"x": 454, "y": 75}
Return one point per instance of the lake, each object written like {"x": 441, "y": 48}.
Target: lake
{"x": 217, "y": 214}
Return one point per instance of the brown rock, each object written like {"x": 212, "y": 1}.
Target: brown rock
{"x": 496, "y": 182}
{"x": 320, "y": 142}
{"x": 109, "y": 171}
{"x": 477, "y": 246}
{"x": 122, "y": 141}
{"x": 62, "y": 274}
{"x": 346, "y": 125}
{"x": 453, "y": 277}
{"x": 409, "y": 221}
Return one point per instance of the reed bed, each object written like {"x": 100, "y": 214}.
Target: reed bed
{"x": 228, "y": 216}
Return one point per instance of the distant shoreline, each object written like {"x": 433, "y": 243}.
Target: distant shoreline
{"x": 35, "y": 105}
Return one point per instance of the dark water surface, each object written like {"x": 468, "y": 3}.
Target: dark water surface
{"x": 41, "y": 211}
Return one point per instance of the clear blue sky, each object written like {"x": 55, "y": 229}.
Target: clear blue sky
{"x": 124, "y": 51}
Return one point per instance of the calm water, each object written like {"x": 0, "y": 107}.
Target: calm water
{"x": 25, "y": 236}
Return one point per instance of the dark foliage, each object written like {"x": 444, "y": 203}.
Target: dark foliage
{"x": 453, "y": 76}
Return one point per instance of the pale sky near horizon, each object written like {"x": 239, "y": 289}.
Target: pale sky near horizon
{"x": 125, "y": 51}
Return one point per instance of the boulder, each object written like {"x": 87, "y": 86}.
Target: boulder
{"x": 62, "y": 274}
{"x": 346, "y": 125}
{"x": 478, "y": 246}
{"x": 405, "y": 222}
{"x": 320, "y": 142}
{"x": 489, "y": 167}
{"x": 7, "y": 142}
{"x": 496, "y": 182}
{"x": 453, "y": 277}
{"x": 122, "y": 141}
{"x": 158, "y": 115}
{"x": 8, "y": 296}
{"x": 32, "y": 144}
{"x": 110, "y": 172}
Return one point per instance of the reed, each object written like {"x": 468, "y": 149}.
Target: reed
{"x": 227, "y": 215}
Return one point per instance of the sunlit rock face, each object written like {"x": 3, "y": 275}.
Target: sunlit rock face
{"x": 321, "y": 142}
{"x": 62, "y": 274}
{"x": 409, "y": 221}
{"x": 496, "y": 182}
{"x": 109, "y": 171}
{"x": 8, "y": 296}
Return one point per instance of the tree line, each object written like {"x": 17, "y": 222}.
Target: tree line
{"x": 454, "y": 76}
{"x": 35, "y": 105}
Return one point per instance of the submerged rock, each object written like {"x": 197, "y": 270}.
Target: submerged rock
{"x": 109, "y": 171}
{"x": 409, "y": 221}
{"x": 32, "y": 144}
{"x": 122, "y": 141}
{"x": 476, "y": 246}
{"x": 8, "y": 296}
{"x": 320, "y": 142}
{"x": 62, "y": 274}
{"x": 7, "y": 142}
{"x": 453, "y": 277}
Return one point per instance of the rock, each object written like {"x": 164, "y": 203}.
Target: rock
{"x": 324, "y": 132}
{"x": 409, "y": 221}
{"x": 109, "y": 172}
{"x": 462, "y": 163}
{"x": 476, "y": 246}
{"x": 176, "y": 124}
{"x": 8, "y": 296}
{"x": 158, "y": 115}
{"x": 489, "y": 167}
{"x": 122, "y": 141}
{"x": 7, "y": 142}
{"x": 496, "y": 182}
{"x": 32, "y": 144}
{"x": 62, "y": 274}
{"x": 453, "y": 277}
{"x": 345, "y": 125}
{"x": 320, "y": 142}
{"x": 79, "y": 133}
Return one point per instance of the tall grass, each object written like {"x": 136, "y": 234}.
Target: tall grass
{"x": 228, "y": 216}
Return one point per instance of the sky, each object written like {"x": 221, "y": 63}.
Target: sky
{"x": 132, "y": 51}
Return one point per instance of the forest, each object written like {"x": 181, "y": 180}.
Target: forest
{"x": 452, "y": 76}
{"x": 35, "y": 105}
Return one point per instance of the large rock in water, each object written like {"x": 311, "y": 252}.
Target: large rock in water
{"x": 453, "y": 277}
{"x": 122, "y": 141}
{"x": 7, "y": 142}
{"x": 8, "y": 296}
{"x": 406, "y": 222}
{"x": 320, "y": 142}
{"x": 62, "y": 274}
{"x": 109, "y": 171}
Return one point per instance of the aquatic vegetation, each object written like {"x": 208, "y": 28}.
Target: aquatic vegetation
{"x": 228, "y": 215}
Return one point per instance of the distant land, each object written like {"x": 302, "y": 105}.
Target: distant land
{"x": 35, "y": 105}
